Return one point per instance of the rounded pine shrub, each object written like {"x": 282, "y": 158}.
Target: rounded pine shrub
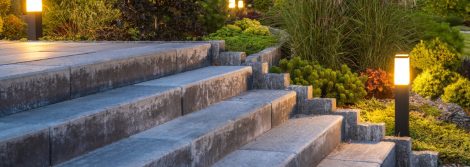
{"x": 428, "y": 54}
{"x": 458, "y": 93}
{"x": 13, "y": 28}
{"x": 431, "y": 82}
{"x": 347, "y": 87}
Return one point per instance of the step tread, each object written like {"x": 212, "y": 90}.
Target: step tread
{"x": 280, "y": 145}
{"x": 42, "y": 118}
{"x": 178, "y": 134}
{"x": 360, "y": 154}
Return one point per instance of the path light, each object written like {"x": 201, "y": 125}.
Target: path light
{"x": 241, "y": 4}
{"x": 232, "y": 4}
{"x": 402, "y": 95}
{"x": 34, "y": 19}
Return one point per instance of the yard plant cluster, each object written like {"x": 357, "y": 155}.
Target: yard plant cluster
{"x": 344, "y": 49}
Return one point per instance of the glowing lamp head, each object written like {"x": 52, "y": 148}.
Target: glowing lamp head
{"x": 402, "y": 69}
{"x": 241, "y": 4}
{"x": 232, "y": 4}
{"x": 33, "y": 5}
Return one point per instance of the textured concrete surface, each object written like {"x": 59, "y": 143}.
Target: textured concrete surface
{"x": 23, "y": 87}
{"x": 350, "y": 122}
{"x": 380, "y": 154}
{"x": 304, "y": 93}
{"x": 373, "y": 132}
{"x": 308, "y": 139}
{"x": 41, "y": 75}
{"x": 259, "y": 71}
{"x": 271, "y": 55}
{"x": 207, "y": 86}
{"x": 425, "y": 159}
{"x": 318, "y": 106}
{"x": 231, "y": 58}
{"x": 275, "y": 81}
{"x": 196, "y": 139}
{"x": 403, "y": 150}
{"x": 74, "y": 127}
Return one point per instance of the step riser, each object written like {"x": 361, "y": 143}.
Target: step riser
{"x": 74, "y": 138}
{"x": 86, "y": 134}
{"x": 196, "y": 145}
{"x": 315, "y": 152}
{"x": 36, "y": 90}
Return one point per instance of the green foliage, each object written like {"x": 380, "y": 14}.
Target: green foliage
{"x": 13, "y": 28}
{"x": 78, "y": 19}
{"x": 4, "y": 7}
{"x": 347, "y": 87}
{"x": 428, "y": 54}
{"x": 452, "y": 143}
{"x": 245, "y": 35}
{"x": 430, "y": 28}
{"x": 458, "y": 92}
{"x": 445, "y": 7}
{"x": 431, "y": 82}
{"x": 173, "y": 20}
{"x": 379, "y": 83}
{"x": 360, "y": 33}
{"x": 263, "y": 5}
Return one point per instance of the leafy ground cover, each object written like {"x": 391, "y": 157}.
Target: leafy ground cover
{"x": 466, "y": 50}
{"x": 428, "y": 133}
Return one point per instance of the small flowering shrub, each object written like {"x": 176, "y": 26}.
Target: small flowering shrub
{"x": 347, "y": 87}
{"x": 379, "y": 84}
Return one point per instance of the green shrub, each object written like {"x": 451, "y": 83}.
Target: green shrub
{"x": 452, "y": 143}
{"x": 458, "y": 92}
{"x": 428, "y": 54}
{"x": 431, "y": 82}
{"x": 245, "y": 35}
{"x": 173, "y": 20}
{"x": 263, "y": 5}
{"x": 345, "y": 86}
{"x": 429, "y": 28}
{"x": 4, "y": 7}
{"x": 13, "y": 28}
{"x": 445, "y": 7}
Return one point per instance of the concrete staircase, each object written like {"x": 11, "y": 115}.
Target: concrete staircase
{"x": 162, "y": 104}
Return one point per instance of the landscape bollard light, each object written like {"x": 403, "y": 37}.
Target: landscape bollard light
{"x": 241, "y": 4}
{"x": 232, "y": 4}
{"x": 402, "y": 95}
{"x": 34, "y": 19}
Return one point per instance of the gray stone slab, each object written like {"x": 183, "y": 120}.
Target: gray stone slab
{"x": 380, "y": 154}
{"x": 257, "y": 158}
{"x": 425, "y": 159}
{"x": 23, "y": 87}
{"x": 206, "y": 135}
{"x": 138, "y": 152}
{"x": 77, "y": 126}
{"x": 373, "y": 132}
{"x": 275, "y": 81}
{"x": 231, "y": 59}
{"x": 318, "y": 106}
{"x": 403, "y": 150}
{"x": 350, "y": 122}
{"x": 310, "y": 138}
{"x": 206, "y": 86}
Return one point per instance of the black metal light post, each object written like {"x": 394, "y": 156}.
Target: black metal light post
{"x": 402, "y": 95}
{"x": 33, "y": 10}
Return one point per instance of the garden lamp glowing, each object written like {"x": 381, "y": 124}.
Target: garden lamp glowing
{"x": 402, "y": 94}
{"x": 34, "y": 18}
{"x": 241, "y": 4}
{"x": 232, "y": 4}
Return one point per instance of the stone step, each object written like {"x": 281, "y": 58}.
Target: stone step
{"x": 298, "y": 142}
{"x": 27, "y": 84}
{"x": 381, "y": 154}
{"x": 58, "y": 132}
{"x": 199, "y": 138}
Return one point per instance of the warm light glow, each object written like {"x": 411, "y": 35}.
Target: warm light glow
{"x": 402, "y": 69}
{"x": 241, "y": 4}
{"x": 231, "y": 4}
{"x": 33, "y": 5}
